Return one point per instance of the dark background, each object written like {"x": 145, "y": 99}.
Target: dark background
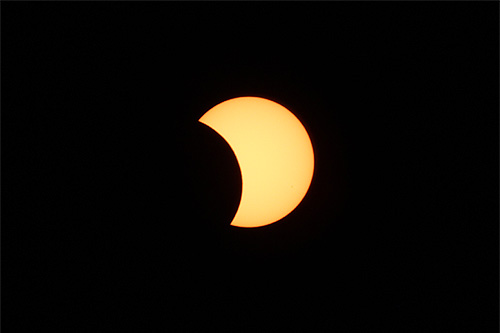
{"x": 117, "y": 201}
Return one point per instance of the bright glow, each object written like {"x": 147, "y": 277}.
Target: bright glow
{"x": 274, "y": 153}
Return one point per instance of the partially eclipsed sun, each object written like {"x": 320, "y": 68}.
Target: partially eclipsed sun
{"x": 274, "y": 153}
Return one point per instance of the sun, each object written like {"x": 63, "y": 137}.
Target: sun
{"x": 274, "y": 153}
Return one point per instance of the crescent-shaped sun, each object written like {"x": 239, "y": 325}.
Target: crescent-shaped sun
{"x": 274, "y": 153}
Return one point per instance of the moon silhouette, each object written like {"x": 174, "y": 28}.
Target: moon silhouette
{"x": 274, "y": 153}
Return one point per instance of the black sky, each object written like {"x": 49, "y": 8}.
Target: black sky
{"x": 117, "y": 201}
